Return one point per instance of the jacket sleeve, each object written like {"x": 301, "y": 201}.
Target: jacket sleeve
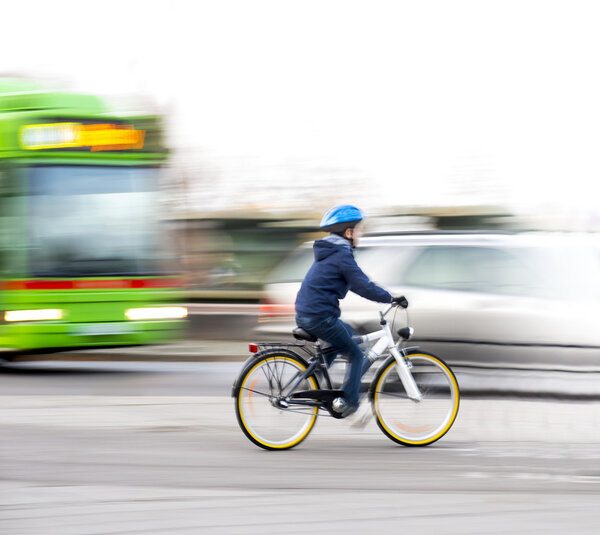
{"x": 360, "y": 284}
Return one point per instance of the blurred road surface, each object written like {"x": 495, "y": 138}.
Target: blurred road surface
{"x": 153, "y": 448}
{"x": 83, "y": 465}
{"x": 207, "y": 377}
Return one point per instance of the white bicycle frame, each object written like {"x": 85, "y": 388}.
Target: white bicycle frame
{"x": 385, "y": 342}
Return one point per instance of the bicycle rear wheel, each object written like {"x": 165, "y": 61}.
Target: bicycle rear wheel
{"x": 413, "y": 423}
{"x": 261, "y": 414}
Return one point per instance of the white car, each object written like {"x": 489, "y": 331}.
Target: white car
{"x": 528, "y": 300}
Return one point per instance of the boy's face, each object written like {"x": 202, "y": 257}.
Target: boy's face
{"x": 354, "y": 234}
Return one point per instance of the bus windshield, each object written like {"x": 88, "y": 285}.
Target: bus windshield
{"x": 93, "y": 220}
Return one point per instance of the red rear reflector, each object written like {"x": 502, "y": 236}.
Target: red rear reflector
{"x": 253, "y": 348}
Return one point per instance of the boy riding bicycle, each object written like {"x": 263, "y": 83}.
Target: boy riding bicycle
{"x": 332, "y": 274}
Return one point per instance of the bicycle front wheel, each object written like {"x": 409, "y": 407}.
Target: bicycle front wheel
{"x": 412, "y": 423}
{"x": 262, "y": 413}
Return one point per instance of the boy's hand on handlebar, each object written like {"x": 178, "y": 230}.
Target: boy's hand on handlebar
{"x": 400, "y": 301}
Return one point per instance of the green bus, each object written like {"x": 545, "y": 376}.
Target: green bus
{"x": 83, "y": 256}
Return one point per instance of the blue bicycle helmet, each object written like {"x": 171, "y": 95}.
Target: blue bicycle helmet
{"x": 339, "y": 218}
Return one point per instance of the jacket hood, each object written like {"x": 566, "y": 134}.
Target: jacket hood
{"x": 329, "y": 245}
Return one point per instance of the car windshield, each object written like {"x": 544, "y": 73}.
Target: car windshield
{"x": 385, "y": 264}
{"x": 93, "y": 220}
{"x": 296, "y": 265}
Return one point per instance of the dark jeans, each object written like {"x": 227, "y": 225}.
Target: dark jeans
{"x": 339, "y": 335}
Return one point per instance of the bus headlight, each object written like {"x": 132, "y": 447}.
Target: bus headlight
{"x": 33, "y": 315}
{"x": 157, "y": 313}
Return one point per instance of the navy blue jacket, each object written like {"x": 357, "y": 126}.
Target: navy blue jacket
{"x": 328, "y": 280}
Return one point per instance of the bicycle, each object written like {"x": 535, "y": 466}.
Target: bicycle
{"x": 414, "y": 394}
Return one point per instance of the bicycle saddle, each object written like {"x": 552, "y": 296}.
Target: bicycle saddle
{"x": 301, "y": 334}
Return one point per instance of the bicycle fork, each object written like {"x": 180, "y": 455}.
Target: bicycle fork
{"x": 408, "y": 381}
{"x": 403, "y": 365}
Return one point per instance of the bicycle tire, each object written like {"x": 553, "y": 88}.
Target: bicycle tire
{"x": 266, "y": 425}
{"x": 413, "y": 423}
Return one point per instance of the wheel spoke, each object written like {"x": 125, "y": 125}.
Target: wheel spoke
{"x": 416, "y": 423}
{"x": 265, "y": 422}
{"x": 300, "y": 411}
{"x": 291, "y": 381}
{"x": 268, "y": 375}
{"x": 257, "y": 392}
{"x": 393, "y": 395}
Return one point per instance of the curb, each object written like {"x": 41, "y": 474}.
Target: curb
{"x": 185, "y": 351}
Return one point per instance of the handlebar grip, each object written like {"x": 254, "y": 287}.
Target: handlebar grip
{"x": 400, "y": 301}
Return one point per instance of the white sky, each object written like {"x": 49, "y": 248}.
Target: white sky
{"x": 424, "y": 99}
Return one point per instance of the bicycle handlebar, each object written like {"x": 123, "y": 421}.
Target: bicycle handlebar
{"x": 386, "y": 311}
{"x": 400, "y": 301}
{"x": 396, "y": 302}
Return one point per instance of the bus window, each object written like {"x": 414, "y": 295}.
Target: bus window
{"x": 93, "y": 220}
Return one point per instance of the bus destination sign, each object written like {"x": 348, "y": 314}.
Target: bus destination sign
{"x": 95, "y": 137}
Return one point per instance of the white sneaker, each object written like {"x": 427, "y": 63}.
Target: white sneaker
{"x": 362, "y": 416}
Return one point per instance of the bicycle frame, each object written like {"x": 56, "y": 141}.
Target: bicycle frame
{"x": 412, "y": 411}
{"x": 384, "y": 341}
